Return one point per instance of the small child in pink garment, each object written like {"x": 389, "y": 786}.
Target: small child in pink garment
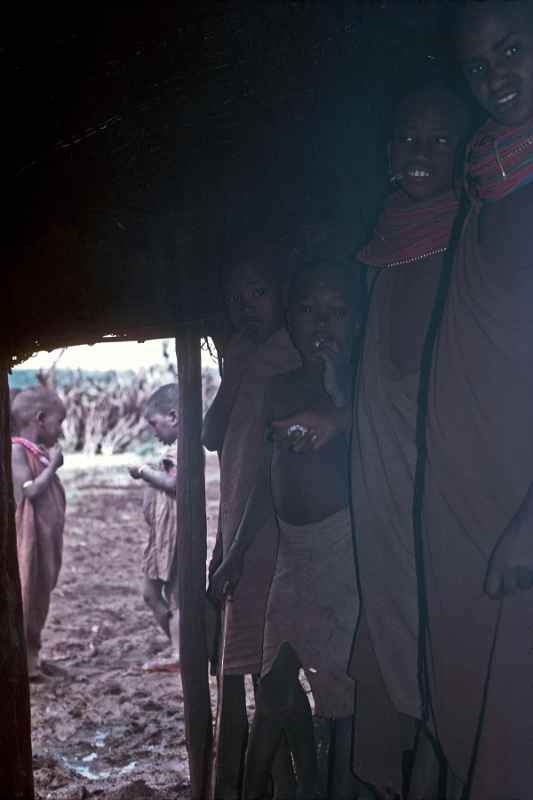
{"x": 37, "y": 415}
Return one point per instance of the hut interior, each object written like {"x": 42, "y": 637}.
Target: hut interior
{"x": 142, "y": 143}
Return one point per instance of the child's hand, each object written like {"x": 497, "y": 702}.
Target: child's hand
{"x": 56, "y": 458}
{"x": 135, "y": 472}
{"x": 312, "y": 429}
{"x": 216, "y": 557}
{"x": 511, "y": 564}
{"x": 290, "y": 431}
{"x": 336, "y": 374}
{"x": 226, "y": 577}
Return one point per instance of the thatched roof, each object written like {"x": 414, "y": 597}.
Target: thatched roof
{"x": 146, "y": 140}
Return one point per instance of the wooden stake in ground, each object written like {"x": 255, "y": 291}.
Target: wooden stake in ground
{"x": 220, "y": 699}
{"x": 192, "y": 554}
{"x": 16, "y": 779}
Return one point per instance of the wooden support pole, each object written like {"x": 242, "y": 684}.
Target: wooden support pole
{"x": 192, "y": 554}
{"x": 16, "y": 778}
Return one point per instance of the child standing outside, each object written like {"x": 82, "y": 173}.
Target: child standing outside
{"x": 312, "y": 607}
{"x": 37, "y": 416}
{"x": 160, "y": 587}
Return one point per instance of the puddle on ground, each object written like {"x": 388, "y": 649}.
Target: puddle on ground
{"x": 93, "y": 773}
{"x": 100, "y": 737}
{"x": 96, "y": 771}
{"x": 93, "y": 765}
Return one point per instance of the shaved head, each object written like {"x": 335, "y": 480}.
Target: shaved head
{"x": 29, "y": 403}
{"x": 163, "y": 400}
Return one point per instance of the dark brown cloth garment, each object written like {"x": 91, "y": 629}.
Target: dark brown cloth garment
{"x": 242, "y": 454}
{"x": 479, "y": 468}
{"x": 40, "y": 524}
{"x": 383, "y": 467}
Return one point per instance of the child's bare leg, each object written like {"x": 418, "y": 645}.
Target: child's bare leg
{"x": 168, "y": 621}
{"x": 343, "y": 785}
{"x": 174, "y": 630}
{"x": 35, "y": 614}
{"x": 301, "y": 739}
{"x": 278, "y": 709}
{"x": 233, "y": 738}
{"x": 265, "y": 738}
{"x": 282, "y": 772}
{"x": 32, "y": 658}
{"x": 153, "y": 597}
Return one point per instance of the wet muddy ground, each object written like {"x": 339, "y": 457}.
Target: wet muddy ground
{"x": 105, "y": 728}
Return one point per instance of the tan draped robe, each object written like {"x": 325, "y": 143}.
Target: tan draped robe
{"x": 242, "y": 454}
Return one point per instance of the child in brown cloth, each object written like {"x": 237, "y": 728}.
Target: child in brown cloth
{"x": 235, "y": 426}
{"x": 37, "y": 416}
{"x": 312, "y": 607}
{"x": 160, "y": 566}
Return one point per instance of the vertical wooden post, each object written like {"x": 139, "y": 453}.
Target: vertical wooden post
{"x": 192, "y": 554}
{"x": 16, "y": 778}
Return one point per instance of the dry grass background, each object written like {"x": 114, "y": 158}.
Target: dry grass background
{"x": 105, "y": 410}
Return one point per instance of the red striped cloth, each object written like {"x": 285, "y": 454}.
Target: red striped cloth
{"x": 408, "y": 231}
{"x": 500, "y": 160}
{"x": 32, "y": 447}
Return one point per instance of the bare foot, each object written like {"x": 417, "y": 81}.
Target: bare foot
{"x": 36, "y": 676}
{"x": 35, "y": 673}
{"x": 162, "y": 664}
{"x": 52, "y": 670}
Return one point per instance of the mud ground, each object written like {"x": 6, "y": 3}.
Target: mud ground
{"x": 105, "y": 728}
